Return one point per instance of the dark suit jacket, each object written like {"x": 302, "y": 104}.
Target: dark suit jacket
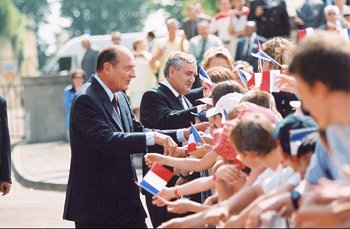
{"x": 101, "y": 188}
{"x": 275, "y": 20}
{"x": 88, "y": 64}
{"x": 195, "y": 94}
{"x": 241, "y": 55}
{"x": 160, "y": 109}
{"x": 5, "y": 144}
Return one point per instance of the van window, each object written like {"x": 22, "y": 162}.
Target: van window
{"x": 64, "y": 64}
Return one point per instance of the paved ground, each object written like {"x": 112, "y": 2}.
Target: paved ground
{"x": 38, "y": 192}
{"x": 27, "y": 207}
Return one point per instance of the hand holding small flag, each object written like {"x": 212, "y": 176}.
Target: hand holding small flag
{"x": 156, "y": 179}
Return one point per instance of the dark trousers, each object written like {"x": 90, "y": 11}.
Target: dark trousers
{"x": 127, "y": 224}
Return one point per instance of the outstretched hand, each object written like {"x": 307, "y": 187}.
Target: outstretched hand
{"x": 167, "y": 142}
{"x": 151, "y": 158}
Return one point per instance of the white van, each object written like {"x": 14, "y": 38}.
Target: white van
{"x": 69, "y": 57}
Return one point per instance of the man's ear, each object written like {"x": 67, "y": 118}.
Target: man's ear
{"x": 106, "y": 68}
{"x": 321, "y": 89}
{"x": 171, "y": 71}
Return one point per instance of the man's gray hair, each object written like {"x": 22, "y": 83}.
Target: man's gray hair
{"x": 176, "y": 59}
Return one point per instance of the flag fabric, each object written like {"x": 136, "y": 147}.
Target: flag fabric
{"x": 260, "y": 61}
{"x": 345, "y": 33}
{"x": 243, "y": 75}
{"x": 251, "y": 82}
{"x": 297, "y": 136}
{"x": 304, "y": 33}
{"x": 261, "y": 55}
{"x": 204, "y": 76}
{"x": 268, "y": 81}
{"x": 156, "y": 179}
{"x": 224, "y": 116}
{"x": 193, "y": 139}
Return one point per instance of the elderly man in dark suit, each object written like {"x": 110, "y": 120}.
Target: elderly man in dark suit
{"x": 165, "y": 107}
{"x": 101, "y": 189}
{"x": 5, "y": 154}
{"x": 88, "y": 64}
{"x": 249, "y": 44}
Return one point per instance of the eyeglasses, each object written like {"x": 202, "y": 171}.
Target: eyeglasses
{"x": 331, "y": 13}
{"x": 78, "y": 77}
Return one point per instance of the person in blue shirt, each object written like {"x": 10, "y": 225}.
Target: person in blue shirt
{"x": 78, "y": 78}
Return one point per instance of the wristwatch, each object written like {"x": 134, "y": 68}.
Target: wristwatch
{"x": 295, "y": 196}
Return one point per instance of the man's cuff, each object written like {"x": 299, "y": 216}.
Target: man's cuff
{"x": 150, "y": 141}
{"x": 180, "y": 135}
{"x": 201, "y": 108}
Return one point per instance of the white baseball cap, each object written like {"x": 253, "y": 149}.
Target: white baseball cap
{"x": 206, "y": 100}
{"x": 226, "y": 102}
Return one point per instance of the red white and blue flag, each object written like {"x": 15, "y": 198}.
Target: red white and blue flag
{"x": 156, "y": 179}
{"x": 304, "y": 33}
{"x": 268, "y": 81}
{"x": 297, "y": 136}
{"x": 261, "y": 55}
{"x": 265, "y": 81}
{"x": 193, "y": 139}
{"x": 204, "y": 76}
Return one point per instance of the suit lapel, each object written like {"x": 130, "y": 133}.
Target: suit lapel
{"x": 189, "y": 104}
{"x": 107, "y": 104}
{"x": 175, "y": 103}
{"x": 123, "y": 111}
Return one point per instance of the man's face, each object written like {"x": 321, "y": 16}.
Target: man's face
{"x": 172, "y": 28}
{"x": 122, "y": 72}
{"x": 181, "y": 79}
{"x": 116, "y": 39}
{"x": 203, "y": 29}
{"x": 314, "y": 100}
{"x": 225, "y": 5}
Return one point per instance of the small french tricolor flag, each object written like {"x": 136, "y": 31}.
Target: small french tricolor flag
{"x": 261, "y": 55}
{"x": 156, "y": 179}
{"x": 304, "y": 33}
{"x": 244, "y": 76}
{"x": 193, "y": 139}
{"x": 204, "y": 76}
{"x": 268, "y": 81}
{"x": 297, "y": 136}
{"x": 345, "y": 33}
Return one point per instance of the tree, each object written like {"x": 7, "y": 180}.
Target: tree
{"x": 38, "y": 10}
{"x": 12, "y": 26}
{"x": 103, "y": 16}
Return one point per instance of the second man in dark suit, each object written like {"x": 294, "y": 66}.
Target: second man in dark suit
{"x": 165, "y": 107}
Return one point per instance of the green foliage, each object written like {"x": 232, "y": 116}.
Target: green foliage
{"x": 104, "y": 16}
{"x": 178, "y": 8}
{"x": 12, "y": 26}
{"x": 10, "y": 19}
{"x": 38, "y": 10}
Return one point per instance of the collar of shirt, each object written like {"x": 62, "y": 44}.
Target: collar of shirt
{"x": 168, "y": 85}
{"x": 107, "y": 90}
